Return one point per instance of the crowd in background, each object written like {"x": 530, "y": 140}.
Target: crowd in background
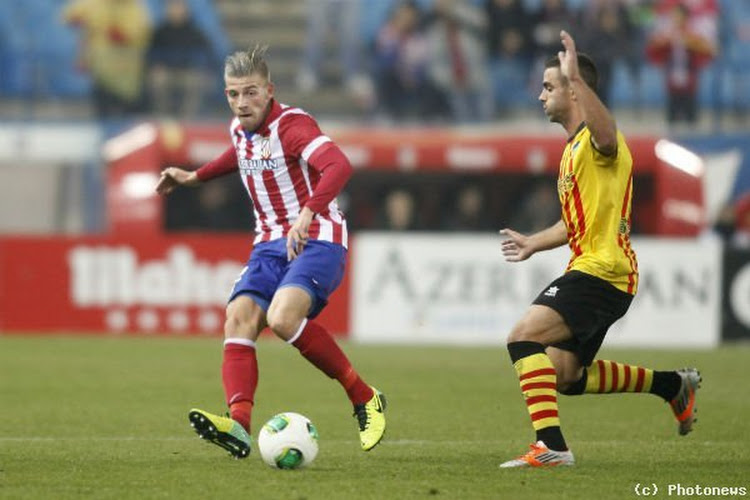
{"x": 134, "y": 68}
{"x": 419, "y": 60}
{"x": 470, "y": 61}
{"x": 445, "y": 61}
{"x": 477, "y": 60}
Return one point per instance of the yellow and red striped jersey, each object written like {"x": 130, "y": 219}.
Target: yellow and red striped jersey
{"x": 595, "y": 193}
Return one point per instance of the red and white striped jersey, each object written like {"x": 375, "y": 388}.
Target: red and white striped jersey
{"x": 273, "y": 163}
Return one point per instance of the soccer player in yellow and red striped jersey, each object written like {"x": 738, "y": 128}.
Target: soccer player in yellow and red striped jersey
{"x": 554, "y": 344}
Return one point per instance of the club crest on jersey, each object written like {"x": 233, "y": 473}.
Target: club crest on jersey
{"x": 249, "y": 166}
{"x": 265, "y": 148}
{"x": 624, "y": 227}
{"x": 565, "y": 184}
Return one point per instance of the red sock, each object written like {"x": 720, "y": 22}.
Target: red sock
{"x": 240, "y": 375}
{"x": 319, "y": 348}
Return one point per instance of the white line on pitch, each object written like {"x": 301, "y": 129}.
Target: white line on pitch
{"x": 392, "y": 442}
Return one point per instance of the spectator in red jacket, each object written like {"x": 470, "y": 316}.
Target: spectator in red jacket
{"x": 683, "y": 42}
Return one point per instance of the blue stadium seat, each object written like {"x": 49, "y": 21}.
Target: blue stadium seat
{"x": 510, "y": 85}
{"x": 33, "y": 65}
{"x": 16, "y": 48}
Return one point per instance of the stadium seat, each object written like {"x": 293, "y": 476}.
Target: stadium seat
{"x": 33, "y": 65}
{"x": 510, "y": 84}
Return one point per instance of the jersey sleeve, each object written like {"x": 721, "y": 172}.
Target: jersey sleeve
{"x": 603, "y": 160}
{"x": 226, "y": 163}
{"x": 302, "y": 138}
{"x": 335, "y": 171}
{"x": 300, "y": 135}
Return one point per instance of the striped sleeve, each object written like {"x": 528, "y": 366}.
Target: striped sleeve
{"x": 300, "y": 135}
{"x": 336, "y": 170}
{"x": 226, "y": 163}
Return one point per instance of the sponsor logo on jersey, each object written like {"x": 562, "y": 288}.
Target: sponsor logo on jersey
{"x": 251, "y": 166}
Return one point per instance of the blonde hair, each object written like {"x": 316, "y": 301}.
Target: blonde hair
{"x": 248, "y": 62}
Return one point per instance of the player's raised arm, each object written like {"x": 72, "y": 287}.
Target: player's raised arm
{"x": 600, "y": 122}
{"x": 518, "y": 247}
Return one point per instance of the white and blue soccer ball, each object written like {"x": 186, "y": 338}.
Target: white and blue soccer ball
{"x": 288, "y": 441}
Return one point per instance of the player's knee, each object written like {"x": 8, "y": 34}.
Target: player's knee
{"x": 521, "y": 333}
{"x": 231, "y": 324}
{"x": 564, "y": 385}
{"x": 570, "y": 382}
{"x": 236, "y": 325}
{"x": 284, "y": 326}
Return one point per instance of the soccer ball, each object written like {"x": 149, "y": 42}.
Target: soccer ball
{"x": 288, "y": 441}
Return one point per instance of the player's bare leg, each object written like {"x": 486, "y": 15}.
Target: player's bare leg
{"x": 287, "y": 317}
{"x": 245, "y": 320}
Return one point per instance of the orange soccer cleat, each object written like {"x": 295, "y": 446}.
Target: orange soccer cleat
{"x": 541, "y": 456}
{"x": 683, "y": 404}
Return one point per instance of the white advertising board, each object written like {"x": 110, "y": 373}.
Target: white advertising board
{"x": 456, "y": 288}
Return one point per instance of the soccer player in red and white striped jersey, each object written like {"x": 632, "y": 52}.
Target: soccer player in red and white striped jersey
{"x": 292, "y": 173}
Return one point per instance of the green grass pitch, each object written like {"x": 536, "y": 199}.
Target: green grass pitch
{"x": 106, "y": 418}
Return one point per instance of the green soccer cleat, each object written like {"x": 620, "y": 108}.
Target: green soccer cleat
{"x": 221, "y": 431}
{"x": 371, "y": 418}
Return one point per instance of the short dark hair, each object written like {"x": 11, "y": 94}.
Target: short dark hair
{"x": 586, "y": 65}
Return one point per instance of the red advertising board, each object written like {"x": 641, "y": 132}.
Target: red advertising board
{"x": 160, "y": 285}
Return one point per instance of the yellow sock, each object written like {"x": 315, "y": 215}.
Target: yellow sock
{"x": 539, "y": 387}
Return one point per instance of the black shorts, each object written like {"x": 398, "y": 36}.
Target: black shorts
{"x": 589, "y": 306}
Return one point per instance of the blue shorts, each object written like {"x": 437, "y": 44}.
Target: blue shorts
{"x": 317, "y": 270}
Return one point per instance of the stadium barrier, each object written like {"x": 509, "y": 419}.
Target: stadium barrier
{"x": 457, "y": 289}
{"x": 735, "y": 295}
{"x": 157, "y": 285}
{"x": 434, "y": 288}
{"x": 407, "y": 288}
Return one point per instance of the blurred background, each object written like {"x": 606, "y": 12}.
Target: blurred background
{"x": 434, "y": 102}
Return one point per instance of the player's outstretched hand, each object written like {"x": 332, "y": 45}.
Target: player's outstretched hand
{"x": 516, "y": 246}
{"x": 171, "y": 177}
